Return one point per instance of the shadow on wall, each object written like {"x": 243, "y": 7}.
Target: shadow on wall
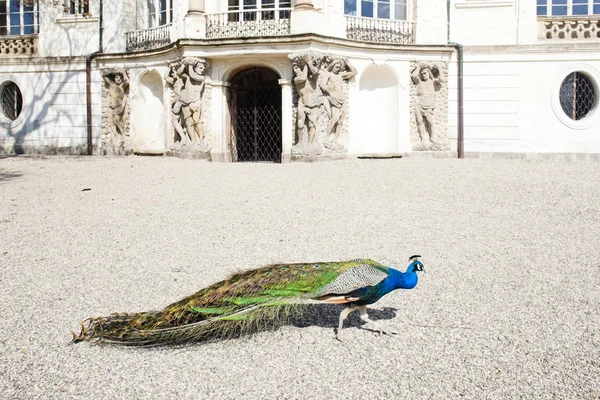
{"x": 52, "y": 107}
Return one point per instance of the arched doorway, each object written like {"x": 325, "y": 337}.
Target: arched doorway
{"x": 255, "y": 109}
{"x": 147, "y": 115}
{"x": 379, "y": 102}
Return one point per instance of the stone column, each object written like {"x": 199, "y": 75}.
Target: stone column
{"x": 196, "y": 7}
{"x": 195, "y": 20}
{"x": 219, "y": 150}
{"x": 287, "y": 131}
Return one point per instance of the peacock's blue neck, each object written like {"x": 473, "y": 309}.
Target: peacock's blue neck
{"x": 402, "y": 280}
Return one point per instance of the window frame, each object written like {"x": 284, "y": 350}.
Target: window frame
{"x": 375, "y": 9}
{"x": 5, "y": 19}
{"x": 550, "y": 4}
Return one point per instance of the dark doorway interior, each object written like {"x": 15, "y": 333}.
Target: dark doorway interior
{"x": 255, "y": 106}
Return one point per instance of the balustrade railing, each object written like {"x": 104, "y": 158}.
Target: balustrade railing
{"x": 569, "y": 28}
{"x": 380, "y": 30}
{"x": 147, "y": 39}
{"x": 249, "y": 23}
{"x": 18, "y": 45}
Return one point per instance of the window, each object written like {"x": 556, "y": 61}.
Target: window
{"x": 18, "y": 17}
{"x": 77, "y": 7}
{"x": 382, "y": 9}
{"x": 154, "y": 13}
{"x": 253, "y": 6}
{"x": 12, "y": 100}
{"x": 567, "y": 7}
{"x": 577, "y": 95}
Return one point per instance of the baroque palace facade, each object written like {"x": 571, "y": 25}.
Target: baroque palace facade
{"x": 284, "y": 80}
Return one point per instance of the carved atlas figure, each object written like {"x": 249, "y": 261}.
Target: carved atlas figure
{"x": 428, "y": 80}
{"x": 255, "y": 298}
{"x": 117, "y": 83}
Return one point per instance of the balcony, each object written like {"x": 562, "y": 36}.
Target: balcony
{"x": 380, "y": 30}
{"x": 25, "y": 45}
{"x": 571, "y": 28}
{"x": 147, "y": 39}
{"x": 254, "y": 23}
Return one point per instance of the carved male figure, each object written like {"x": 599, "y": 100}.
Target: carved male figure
{"x": 173, "y": 79}
{"x": 192, "y": 71}
{"x": 427, "y": 85}
{"x": 331, "y": 83}
{"x": 310, "y": 98}
{"x": 118, "y": 86}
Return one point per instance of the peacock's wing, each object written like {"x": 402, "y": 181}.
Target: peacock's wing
{"x": 237, "y": 303}
{"x": 362, "y": 275}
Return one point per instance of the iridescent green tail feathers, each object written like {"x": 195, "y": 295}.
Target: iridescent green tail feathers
{"x": 243, "y": 302}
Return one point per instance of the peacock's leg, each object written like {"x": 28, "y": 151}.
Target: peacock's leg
{"x": 365, "y": 317}
{"x": 343, "y": 315}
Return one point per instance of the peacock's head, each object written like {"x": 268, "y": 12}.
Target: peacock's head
{"x": 415, "y": 264}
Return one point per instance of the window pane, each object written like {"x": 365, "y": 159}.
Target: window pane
{"x": 559, "y": 2}
{"x": 542, "y": 10}
{"x": 559, "y": 10}
{"x": 15, "y": 30}
{"x": 249, "y": 4}
{"x": 383, "y": 9}
{"x": 285, "y": 3}
{"x": 400, "y": 11}
{"x": 542, "y": 2}
{"x": 596, "y": 8}
{"x": 15, "y": 6}
{"x": 268, "y": 3}
{"x": 15, "y": 20}
{"x": 580, "y": 9}
{"x": 350, "y": 7}
{"x": 367, "y": 8}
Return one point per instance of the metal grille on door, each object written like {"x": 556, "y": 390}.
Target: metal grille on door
{"x": 255, "y": 108}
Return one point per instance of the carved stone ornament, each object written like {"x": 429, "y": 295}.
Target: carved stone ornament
{"x": 429, "y": 106}
{"x": 115, "y": 109}
{"x": 190, "y": 98}
{"x": 320, "y": 103}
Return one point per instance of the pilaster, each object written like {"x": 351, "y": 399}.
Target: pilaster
{"x": 287, "y": 131}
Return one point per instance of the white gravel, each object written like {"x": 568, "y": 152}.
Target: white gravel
{"x": 508, "y": 306}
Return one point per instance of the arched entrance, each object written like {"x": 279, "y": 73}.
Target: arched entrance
{"x": 255, "y": 109}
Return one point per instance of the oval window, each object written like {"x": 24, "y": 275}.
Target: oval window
{"x": 577, "y": 95}
{"x": 12, "y": 101}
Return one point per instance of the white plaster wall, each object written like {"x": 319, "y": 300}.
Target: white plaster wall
{"x": 66, "y": 35}
{"x": 484, "y": 22}
{"x": 511, "y": 103}
{"x": 54, "y": 112}
{"x": 115, "y": 23}
{"x": 431, "y": 21}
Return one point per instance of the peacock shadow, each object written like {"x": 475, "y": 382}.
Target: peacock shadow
{"x": 319, "y": 315}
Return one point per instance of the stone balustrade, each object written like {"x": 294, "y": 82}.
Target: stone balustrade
{"x": 569, "y": 28}
{"x": 19, "y": 45}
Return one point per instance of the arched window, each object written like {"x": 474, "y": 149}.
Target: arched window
{"x": 19, "y": 17}
{"x": 382, "y": 9}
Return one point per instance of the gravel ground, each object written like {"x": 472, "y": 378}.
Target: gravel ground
{"x": 508, "y": 306}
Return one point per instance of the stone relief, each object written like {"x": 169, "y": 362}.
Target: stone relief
{"x": 115, "y": 108}
{"x": 429, "y": 106}
{"x": 320, "y": 102}
{"x": 187, "y": 79}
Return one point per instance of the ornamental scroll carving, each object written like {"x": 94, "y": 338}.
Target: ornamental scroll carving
{"x": 187, "y": 79}
{"x": 115, "y": 108}
{"x": 320, "y": 103}
{"x": 429, "y": 106}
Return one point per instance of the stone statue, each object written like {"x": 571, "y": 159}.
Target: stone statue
{"x": 428, "y": 81}
{"x": 187, "y": 78}
{"x": 174, "y": 81}
{"x": 192, "y": 72}
{"x": 331, "y": 83}
{"x": 117, "y": 83}
{"x": 320, "y": 83}
{"x": 310, "y": 101}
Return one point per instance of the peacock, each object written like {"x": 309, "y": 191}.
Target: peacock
{"x": 255, "y": 299}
